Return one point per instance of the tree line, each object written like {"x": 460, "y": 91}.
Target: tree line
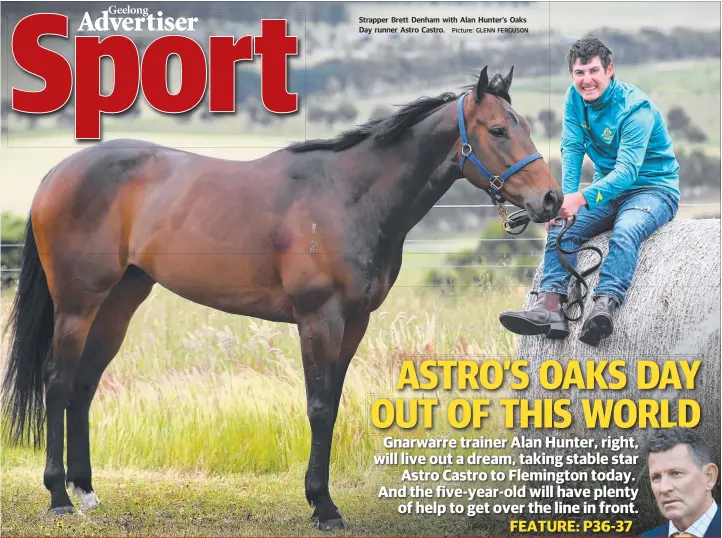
{"x": 679, "y": 125}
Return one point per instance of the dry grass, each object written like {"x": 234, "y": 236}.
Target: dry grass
{"x": 195, "y": 389}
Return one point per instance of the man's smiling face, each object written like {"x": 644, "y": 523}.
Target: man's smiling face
{"x": 591, "y": 79}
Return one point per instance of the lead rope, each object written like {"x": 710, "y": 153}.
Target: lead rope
{"x": 521, "y": 218}
{"x": 579, "y": 278}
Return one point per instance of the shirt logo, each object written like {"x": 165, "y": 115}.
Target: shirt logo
{"x": 599, "y": 195}
{"x": 607, "y": 135}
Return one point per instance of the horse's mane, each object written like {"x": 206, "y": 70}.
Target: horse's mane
{"x": 386, "y": 131}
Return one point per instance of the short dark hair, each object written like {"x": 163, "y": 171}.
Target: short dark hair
{"x": 667, "y": 439}
{"x": 587, "y": 48}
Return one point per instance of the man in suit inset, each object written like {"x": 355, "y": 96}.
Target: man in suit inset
{"x": 683, "y": 476}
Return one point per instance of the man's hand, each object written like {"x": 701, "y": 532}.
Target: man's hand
{"x": 571, "y": 204}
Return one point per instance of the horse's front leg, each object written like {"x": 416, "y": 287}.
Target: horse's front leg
{"x": 321, "y": 333}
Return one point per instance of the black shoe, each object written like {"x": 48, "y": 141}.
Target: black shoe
{"x": 538, "y": 320}
{"x": 599, "y": 323}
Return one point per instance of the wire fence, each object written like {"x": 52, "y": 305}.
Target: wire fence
{"x": 441, "y": 241}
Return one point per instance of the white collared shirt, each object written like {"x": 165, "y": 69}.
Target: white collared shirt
{"x": 699, "y": 527}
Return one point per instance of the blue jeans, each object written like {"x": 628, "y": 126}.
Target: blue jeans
{"x": 634, "y": 215}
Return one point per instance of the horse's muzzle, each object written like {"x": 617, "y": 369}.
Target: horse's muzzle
{"x": 547, "y": 208}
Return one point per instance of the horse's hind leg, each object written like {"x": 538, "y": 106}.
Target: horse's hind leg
{"x": 74, "y": 314}
{"x": 105, "y": 338}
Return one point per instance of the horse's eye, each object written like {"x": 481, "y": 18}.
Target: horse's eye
{"x": 499, "y": 132}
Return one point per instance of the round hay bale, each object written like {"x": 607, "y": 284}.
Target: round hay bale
{"x": 671, "y": 313}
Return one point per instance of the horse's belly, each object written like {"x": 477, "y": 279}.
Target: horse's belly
{"x": 263, "y": 304}
{"x": 237, "y": 289}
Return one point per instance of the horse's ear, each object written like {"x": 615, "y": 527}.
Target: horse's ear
{"x": 482, "y": 84}
{"x": 507, "y": 79}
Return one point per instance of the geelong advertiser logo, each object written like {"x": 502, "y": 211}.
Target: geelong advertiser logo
{"x": 133, "y": 19}
{"x": 145, "y": 73}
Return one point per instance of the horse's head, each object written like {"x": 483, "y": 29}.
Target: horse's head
{"x": 501, "y": 141}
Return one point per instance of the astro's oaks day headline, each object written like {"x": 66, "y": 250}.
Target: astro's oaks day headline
{"x": 145, "y": 72}
{"x": 601, "y": 410}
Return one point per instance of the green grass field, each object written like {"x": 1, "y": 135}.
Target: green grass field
{"x": 199, "y": 425}
{"x": 140, "y": 503}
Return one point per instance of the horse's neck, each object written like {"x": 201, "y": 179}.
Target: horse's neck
{"x": 413, "y": 176}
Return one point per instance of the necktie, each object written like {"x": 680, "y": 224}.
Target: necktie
{"x": 682, "y": 535}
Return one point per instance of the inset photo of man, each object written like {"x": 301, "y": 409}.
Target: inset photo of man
{"x": 683, "y": 476}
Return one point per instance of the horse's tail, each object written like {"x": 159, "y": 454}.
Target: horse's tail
{"x": 31, "y": 322}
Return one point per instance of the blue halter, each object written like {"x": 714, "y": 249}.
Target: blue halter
{"x": 496, "y": 181}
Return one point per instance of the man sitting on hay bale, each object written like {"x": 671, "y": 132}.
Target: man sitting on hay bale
{"x": 634, "y": 192}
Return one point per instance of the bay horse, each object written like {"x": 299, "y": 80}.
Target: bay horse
{"x": 311, "y": 234}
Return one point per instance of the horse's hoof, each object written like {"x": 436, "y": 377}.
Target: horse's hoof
{"x": 331, "y": 524}
{"x": 60, "y": 510}
{"x": 88, "y": 500}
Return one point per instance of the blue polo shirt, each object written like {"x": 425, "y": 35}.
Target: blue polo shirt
{"x": 626, "y": 138}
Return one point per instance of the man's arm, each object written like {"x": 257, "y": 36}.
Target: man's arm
{"x": 572, "y": 147}
{"x": 635, "y": 133}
